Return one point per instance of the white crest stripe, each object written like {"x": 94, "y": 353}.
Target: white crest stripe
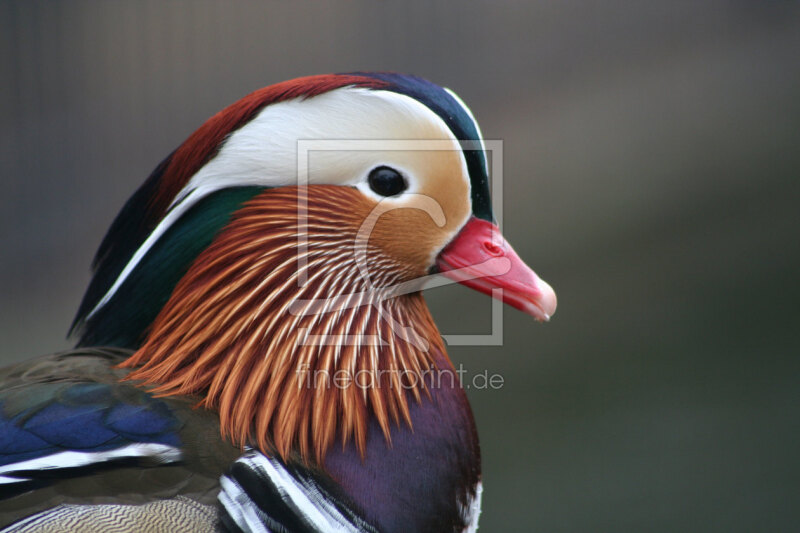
{"x": 263, "y": 152}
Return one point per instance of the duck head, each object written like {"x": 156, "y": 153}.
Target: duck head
{"x": 287, "y": 240}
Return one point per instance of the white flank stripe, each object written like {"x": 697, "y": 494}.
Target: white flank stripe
{"x": 473, "y": 511}
{"x": 73, "y": 459}
{"x": 240, "y": 507}
{"x": 330, "y": 521}
{"x": 8, "y": 480}
{"x": 321, "y": 514}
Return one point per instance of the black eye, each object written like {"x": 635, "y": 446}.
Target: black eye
{"x": 387, "y": 181}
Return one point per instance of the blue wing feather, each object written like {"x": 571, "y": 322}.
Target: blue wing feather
{"x": 81, "y": 417}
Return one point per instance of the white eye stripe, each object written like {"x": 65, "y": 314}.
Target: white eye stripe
{"x": 263, "y": 152}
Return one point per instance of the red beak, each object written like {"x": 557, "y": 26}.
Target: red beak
{"x": 480, "y": 258}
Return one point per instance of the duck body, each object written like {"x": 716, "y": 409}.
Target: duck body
{"x": 164, "y": 458}
{"x": 254, "y": 352}
{"x": 80, "y": 446}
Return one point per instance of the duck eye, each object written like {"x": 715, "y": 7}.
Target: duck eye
{"x": 386, "y": 181}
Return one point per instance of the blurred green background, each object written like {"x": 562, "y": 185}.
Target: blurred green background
{"x": 651, "y": 163}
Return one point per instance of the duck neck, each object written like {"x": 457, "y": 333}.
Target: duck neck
{"x": 292, "y": 344}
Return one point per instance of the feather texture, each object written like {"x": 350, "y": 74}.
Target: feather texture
{"x": 270, "y": 306}
{"x": 89, "y": 440}
{"x": 270, "y": 353}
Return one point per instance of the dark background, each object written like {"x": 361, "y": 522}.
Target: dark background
{"x": 651, "y": 176}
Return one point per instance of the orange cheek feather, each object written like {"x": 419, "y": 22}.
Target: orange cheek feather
{"x": 236, "y": 329}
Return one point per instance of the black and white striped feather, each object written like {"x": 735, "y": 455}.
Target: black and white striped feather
{"x": 262, "y": 495}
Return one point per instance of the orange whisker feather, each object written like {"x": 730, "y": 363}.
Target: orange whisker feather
{"x": 231, "y": 332}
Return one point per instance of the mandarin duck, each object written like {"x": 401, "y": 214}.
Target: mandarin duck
{"x": 253, "y": 350}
